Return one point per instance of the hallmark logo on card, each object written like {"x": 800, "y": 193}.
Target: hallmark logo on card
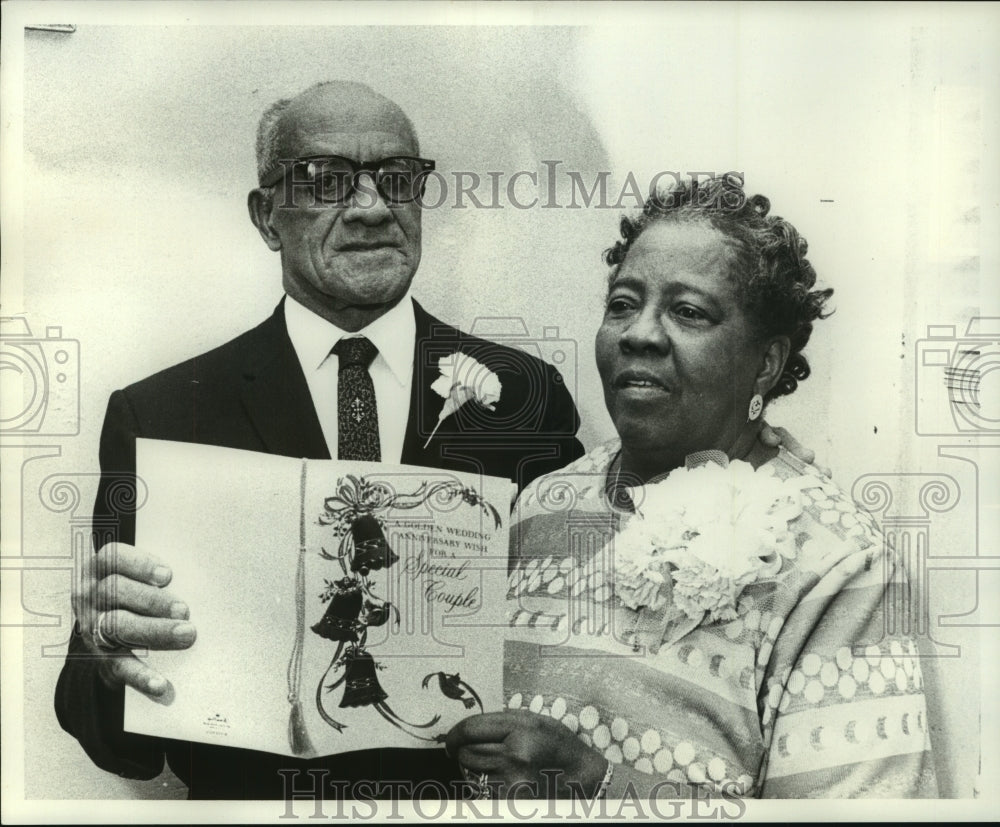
{"x": 216, "y": 724}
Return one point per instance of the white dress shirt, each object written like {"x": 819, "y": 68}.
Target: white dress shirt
{"x": 394, "y": 334}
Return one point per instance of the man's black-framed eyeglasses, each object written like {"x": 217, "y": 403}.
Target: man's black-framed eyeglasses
{"x": 332, "y": 179}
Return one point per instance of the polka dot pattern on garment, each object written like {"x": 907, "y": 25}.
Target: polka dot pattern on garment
{"x": 814, "y": 692}
{"x": 846, "y": 687}
{"x": 647, "y": 750}
{"x": 650, "y": 741}
{"x": 696, "y": 773}
{"x": 876, "y": 670}
{"x": 876, "y": 683}
{"x": 796, "y": 682}
{"x": 602, "y": 736}
{"x": 836, "y": 510}
{"x": 859, "y": 669}
{"x": 901, "y": 682}
{"x": 663, "y": 761}
{"x": 589, "y": 717}
{"x": 684, "y": 753}
{"x": 631, "y": 749}
{"x": 717, "y": 769}
{"x": 811, "y": 664}
{"x": 764, "y": 653}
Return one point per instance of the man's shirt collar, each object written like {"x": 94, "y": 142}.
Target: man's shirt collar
{"x": 394, "y": 334}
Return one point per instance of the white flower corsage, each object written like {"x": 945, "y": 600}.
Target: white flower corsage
{"x": 701, "y": 536}
{"x": 463, "y": 378}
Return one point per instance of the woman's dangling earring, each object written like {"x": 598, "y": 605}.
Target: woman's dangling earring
{"x": 756, "y": 406}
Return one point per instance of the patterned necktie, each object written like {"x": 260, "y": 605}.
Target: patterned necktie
{"x": 357, "y": 417}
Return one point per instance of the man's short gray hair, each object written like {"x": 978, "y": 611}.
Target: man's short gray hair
{"x": 269, "y": 127}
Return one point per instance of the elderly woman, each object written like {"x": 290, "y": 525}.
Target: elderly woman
{"x": 690, "y": 608}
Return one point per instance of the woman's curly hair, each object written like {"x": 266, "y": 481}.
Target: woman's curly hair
{"x": 774, "y": 278}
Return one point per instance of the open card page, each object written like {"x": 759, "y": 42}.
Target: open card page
{"x": 339, "y": 605}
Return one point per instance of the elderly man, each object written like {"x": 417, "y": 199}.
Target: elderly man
{"x": 343, "y": 368}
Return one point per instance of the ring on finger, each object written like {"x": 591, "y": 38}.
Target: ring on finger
{"x": 105, "y": 642}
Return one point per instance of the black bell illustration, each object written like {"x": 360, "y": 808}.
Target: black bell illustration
{"x": 371, "y": 551}
{"x": 376, "y": 614}
{"x": 339, "y": 621}
{"x": 361, "y": 680}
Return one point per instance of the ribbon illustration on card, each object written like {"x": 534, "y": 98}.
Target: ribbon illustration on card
{"x": 356, "y": 518}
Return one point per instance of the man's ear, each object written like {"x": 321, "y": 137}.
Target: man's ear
{"x": 772, "y": 365}
{"x": 260, "y": 203}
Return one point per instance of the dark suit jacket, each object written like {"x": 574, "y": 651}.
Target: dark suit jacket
{"x": 251, "y": 394}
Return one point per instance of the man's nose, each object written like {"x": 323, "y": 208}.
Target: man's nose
{"x": 646, "y": 332}
{"x": 366, "y": 204}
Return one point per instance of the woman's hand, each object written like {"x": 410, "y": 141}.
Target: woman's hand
{"x": 774, "y": 437}
{"x": 122, "y": 603}
{"x": 528, "y": 755}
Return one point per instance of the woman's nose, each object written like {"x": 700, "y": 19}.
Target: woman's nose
{"x": 646, "y": 332}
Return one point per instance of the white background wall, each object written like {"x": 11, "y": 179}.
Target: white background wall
{"x": 873, "y": 130}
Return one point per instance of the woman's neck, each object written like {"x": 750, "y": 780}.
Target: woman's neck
{"x": 643, "y": 464}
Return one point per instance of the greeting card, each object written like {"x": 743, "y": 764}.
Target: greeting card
{"x": 338, "y": 605}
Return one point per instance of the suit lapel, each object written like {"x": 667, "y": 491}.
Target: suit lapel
{"x": 434, "y": 339}
{"x": 276, "y": 396}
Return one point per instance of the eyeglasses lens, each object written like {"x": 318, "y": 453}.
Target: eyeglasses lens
{"x": 397, "y": 179}
{"x": 334, "y": 180}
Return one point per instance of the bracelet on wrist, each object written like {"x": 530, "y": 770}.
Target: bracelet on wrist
{"x": 602, "y": 788}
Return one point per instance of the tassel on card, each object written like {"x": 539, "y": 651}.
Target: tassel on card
{"x": 298, "y": 738}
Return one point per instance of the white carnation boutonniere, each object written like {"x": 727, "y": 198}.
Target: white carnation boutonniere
{"x": 700, "y": 537}
{"x": 463, "y": 379}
